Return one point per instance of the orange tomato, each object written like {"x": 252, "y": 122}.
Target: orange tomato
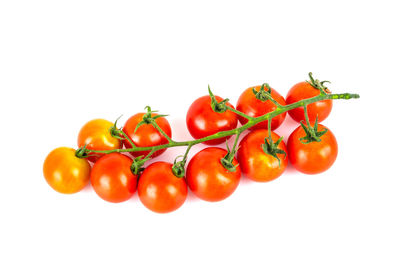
{"x": 96, "y": 135}
{"x": 64, "y": 172}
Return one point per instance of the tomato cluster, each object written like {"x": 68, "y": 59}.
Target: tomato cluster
{"x": 212, "y": 174}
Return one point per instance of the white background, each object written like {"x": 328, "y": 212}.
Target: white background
{"x": 63, "y": 63}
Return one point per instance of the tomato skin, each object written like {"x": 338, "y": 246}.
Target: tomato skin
{"x": 112, "y": 179}
{"x": 64, "y": 172}
{"x": 160, "y": 190}
{"x": 304, "y": 90}
{"x": 95, "y": 134}
{"x": 146, "y": 134}
{"x": 255, "y": 163}
{"x": 314, "y": 157}
{"x": 250, "y": 105}
{"x": 208, "y": 179}
{"x": 202, "y": 120}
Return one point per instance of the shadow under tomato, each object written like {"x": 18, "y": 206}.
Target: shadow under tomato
{"x": 290, "y": 169}
{"x": 88, "y": 189}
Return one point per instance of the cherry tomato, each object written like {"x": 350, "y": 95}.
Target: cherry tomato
{"x": 208, "y": 179}
{"x": 202, "y": 120}
{"x": 255, "y": 163}
{"x": 160, "y": 190}
{"x": 250, "y": 105}
{"x": 146, "y": 134}
{"x": 64, "y": 172}
{"x": 95, "y": 134}
{"x": 112, "y": 178}
{"x": 304, "y": 90}
{"x": 314, "y": 157}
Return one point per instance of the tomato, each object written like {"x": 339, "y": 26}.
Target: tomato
{"x": 255, "y": 163}
{"x": 146, "y": 134}
{"x": 160, "y": 190}
{"x": 314, "y": 157}
{"x": 304, "y": 90}
{"x": 202, "y": 120}
{"x": 64, "y": 172}
{"x": 251, "y": 106}
{"x": 112, "y": 178}
{"x": 208, "y": 179}
{"x": 95, "y": 134}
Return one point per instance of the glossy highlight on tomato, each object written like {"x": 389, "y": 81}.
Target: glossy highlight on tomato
{"x": 160, "y": 190}
{"x": 251, "y": 106}
{"x": 255, "y": 163}
{"x": 304, "y": 90}
{"x": 202, "y": 120}
{"x": 314, "y": 157}
{"x": 112, "y": 178}
{"x": 208, "y": 179}
{"x": 146, "y": 135}
{"x": 64, "y": 172}
{"x": 95, "y": 134}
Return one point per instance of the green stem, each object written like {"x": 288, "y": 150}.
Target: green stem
{"x": 306, "y": 117}
{"x": 155, "y": 125}
{"x": 273, "y": 100}
{"x": 252, "y": 121}
{"x": 269, "y": 131}
{"x": 240, "y": 113}
{"x": 128, "y": 138}
{"x": 149, "y": 154}
{"x": 186, "y": 153}
{"x": 236, "y": 140}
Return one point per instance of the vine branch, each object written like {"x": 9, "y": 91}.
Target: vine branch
{"x": 269, "y": 146}
{"x": 251, "y": 122}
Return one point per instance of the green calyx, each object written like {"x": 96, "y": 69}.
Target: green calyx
{"x": 219, "y": 107}
{"x": 138, "y": 162}
{"x": 137, "y": 165}
{"x": 115, "y": 131}
{"x": 318, "y": 84}
{"x": 82, "y": 152}
{"x": 227, "y": 161}
{"x": 263, "y": 95}
{"x": 178, "y": 168}
{"x": 148, "y": 118}
{"x": 312, "y": 133}
{"x": 271, "y": 148}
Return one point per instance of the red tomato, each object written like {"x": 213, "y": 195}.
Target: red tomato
{"x": 304, "y": 90}
{"x": 250, "y": 105}
{"x": 202, "y": 120}
{"x": 112, "y": 178}
{"x": 207, "y": 177}
{"x": 146, "y": 134}
{"x": 64, "y": 172}
{"x": 314, "y": 157}
{"x": 255, "y": 163}
{"x": 95, "y": 134}
{"x": 160, "y": 190}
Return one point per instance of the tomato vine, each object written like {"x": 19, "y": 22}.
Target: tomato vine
{"x": 264, "y": 93}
